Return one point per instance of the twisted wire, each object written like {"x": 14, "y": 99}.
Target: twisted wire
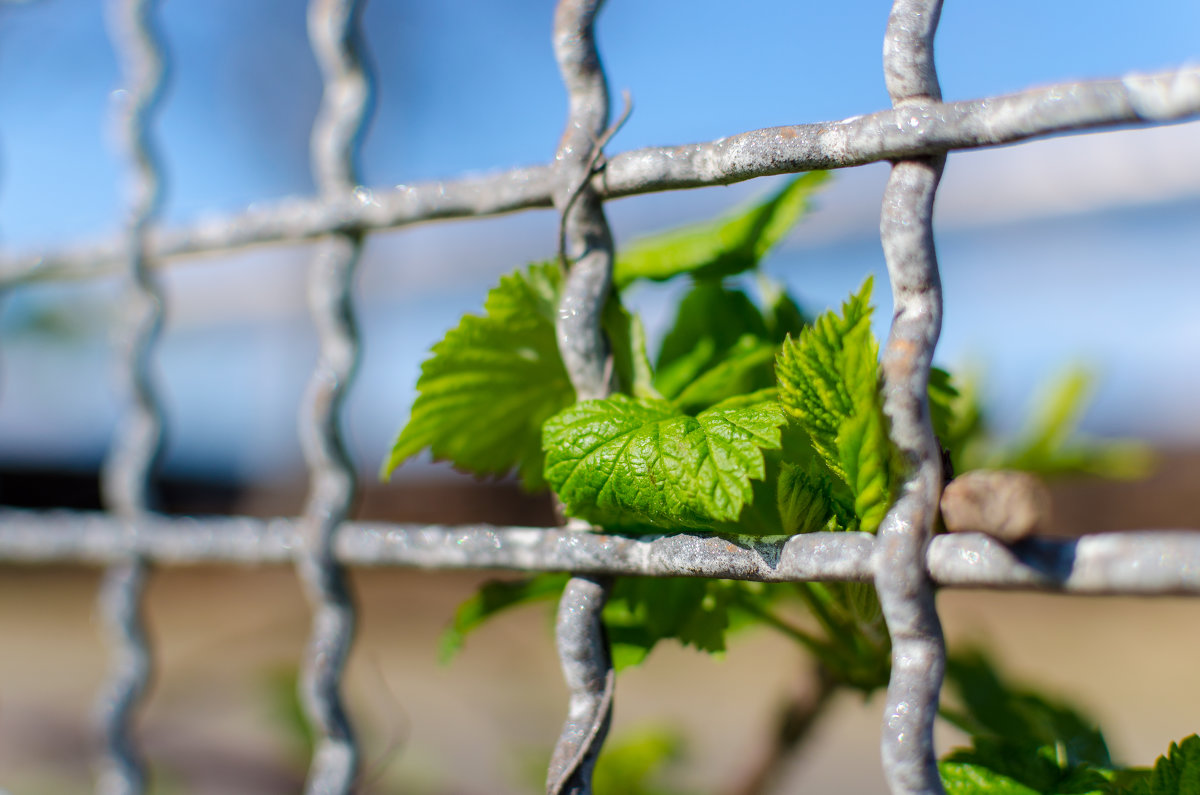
{"x": 125, "y": 481}
{"x": 905, "y": 591}
{"x": 587, "y": 244}
{"x": 336, "y": 41}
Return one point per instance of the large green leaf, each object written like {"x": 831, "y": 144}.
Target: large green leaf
{"x": 716, "y": 249}
{"x": 624, "y": 462}
{"x": 491, "y": 382}
{"x": 829, "y": 385}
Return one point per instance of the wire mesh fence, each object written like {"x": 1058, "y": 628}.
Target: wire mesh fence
{"x": 904, "y": 561}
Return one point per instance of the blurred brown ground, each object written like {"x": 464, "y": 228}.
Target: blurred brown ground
{"x": 227, "y": 638}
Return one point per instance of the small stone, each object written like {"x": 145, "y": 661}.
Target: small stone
{"x": 1004, "y": 504}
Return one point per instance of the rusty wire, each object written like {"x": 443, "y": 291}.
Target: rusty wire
{"x": 903, "y": 561}
{"x": 125, "y": 481}
{"x": 905, "y": 591}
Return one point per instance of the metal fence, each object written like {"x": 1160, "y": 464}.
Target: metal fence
{"x": 902, "y": 560}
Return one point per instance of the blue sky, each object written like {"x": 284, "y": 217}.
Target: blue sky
{"x": 1053, "y": 252}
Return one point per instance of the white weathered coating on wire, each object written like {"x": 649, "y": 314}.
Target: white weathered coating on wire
{"x": 905, "y": 591}
{"x": 588, "y": 247}
{"x": 125, "y": 481}
{"x": 335, "y": 36}
{"x": 921, "y": 128}
{"x": 1145, "y": 562}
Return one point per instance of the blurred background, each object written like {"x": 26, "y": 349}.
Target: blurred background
{"x": 1073, "y": 251}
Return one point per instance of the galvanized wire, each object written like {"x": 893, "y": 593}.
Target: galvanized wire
{"x": 922, "y": 128}
{"x": 903, "y": 561}
{"x": 125, "y": 481}
{"x": 905, "y": 591}
{"x": 1143, "y": 562}
{"x": 336, "y": 40}
{"x": 588, "y": 247}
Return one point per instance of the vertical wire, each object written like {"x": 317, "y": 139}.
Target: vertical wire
{"x": 905, "y": 592}
{"x": 579, "y": 630}
{"x": 336, "y": 39}
{"x": 125, "y": 480}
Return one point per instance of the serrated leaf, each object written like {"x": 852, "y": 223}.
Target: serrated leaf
{"x": 964, "y": 778}
{"x": 1175, "y": 773}
{"x": 495, "y": 597}
{"x": 829, "y": 385}
{"x": 645, "y": 610}
{"x": 711, "y": 321}
{"x": 491, "y": 382}
{"x": 725, "y": 247}
{"x": 623, "y": 462}
{"x": 996, "y": 709}
{"x": 803, "y": 499}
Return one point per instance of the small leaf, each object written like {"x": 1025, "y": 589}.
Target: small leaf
{"x": 632, "y": 764}
{"x": 491, "y": 382}
{"x": 627, "y": 338}
{"x": 829, "y": 385}
{"x": 1175, "y": 773}
{"x": 726, "y": 247}
{"x": 964, "y": 778}
{"x": 494, "y": 597}
{"x": 804, "y": 502}
{"x": 747, "y": 367}
{"x": 626, "y": 462}
{"x": 644, "y": 610}
{"x": 783, "y": 315}
{"x": 997, "y": 708}
{"x": 710, "y": 322}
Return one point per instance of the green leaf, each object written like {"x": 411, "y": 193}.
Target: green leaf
{"x": 783, "y": 315}
{"x": 633, "y": 763}
{"x": 644, "y": 610}
{"x": 713, "y": 250}
{"x": 992, "y": 707}
{"x": 943, "y": 395}
{"x": 1175, "y": 773}
{"x": 829, "y": 386}
{"x": 491, "y": 382}
{"x": 627, "y": 338}
{"x": 626, "y": 462}
{"x": 494, "y": 597}
{"x": 747, "y": 367}
{"x": 964, "y": 778}
{"x": 710, "y": 322}
{"x": 805, "y": 505}
{"x": 1050, "y": 446}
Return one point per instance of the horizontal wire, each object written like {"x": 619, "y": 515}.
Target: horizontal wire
{"x": 918, "y": 129}
{"x": 1137, "y": 562}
